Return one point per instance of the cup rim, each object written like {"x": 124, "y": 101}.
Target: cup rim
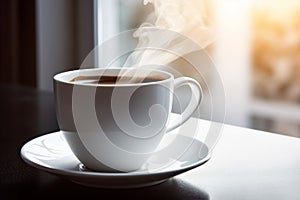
{"x": 58, "y": 77}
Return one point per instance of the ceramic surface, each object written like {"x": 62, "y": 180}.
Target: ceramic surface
{"x": 175, "y": 155}
{"x": 116, "y": 127}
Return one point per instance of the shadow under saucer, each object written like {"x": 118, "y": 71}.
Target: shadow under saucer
{"x": 173, "y": 189}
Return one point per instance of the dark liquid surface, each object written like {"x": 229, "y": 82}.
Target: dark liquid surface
{"x": 115, "y": 79}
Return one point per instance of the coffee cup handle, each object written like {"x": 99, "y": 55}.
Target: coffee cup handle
{"x": 196, "y": 92}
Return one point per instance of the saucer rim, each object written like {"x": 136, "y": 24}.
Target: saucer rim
{"x": 93, "y": 174}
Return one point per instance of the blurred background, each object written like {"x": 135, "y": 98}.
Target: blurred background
{"x": 256, "y": 48}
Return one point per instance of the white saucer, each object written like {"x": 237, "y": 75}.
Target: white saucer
{"x": 177, "y": 154}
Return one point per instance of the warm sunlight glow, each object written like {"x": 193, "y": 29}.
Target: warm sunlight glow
{"x": 276, "y": 53}
{"x": 278, "y": 10}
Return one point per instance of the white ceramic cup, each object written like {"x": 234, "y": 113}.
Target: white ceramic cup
{"x": 116, "y": 127}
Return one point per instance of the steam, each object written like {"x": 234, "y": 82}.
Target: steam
{"x": 189, "y": 18}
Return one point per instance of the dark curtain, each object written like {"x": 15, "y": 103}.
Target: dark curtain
{"x": 18, "y": 39}
{"x": 17, "y": 42}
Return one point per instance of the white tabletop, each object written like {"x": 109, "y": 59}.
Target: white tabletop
{"x": 249, "y": 164}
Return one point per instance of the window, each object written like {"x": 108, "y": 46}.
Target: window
{"x": 245, "y": 44}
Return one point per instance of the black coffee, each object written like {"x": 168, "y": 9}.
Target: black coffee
{"x": 115, "y": 79}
